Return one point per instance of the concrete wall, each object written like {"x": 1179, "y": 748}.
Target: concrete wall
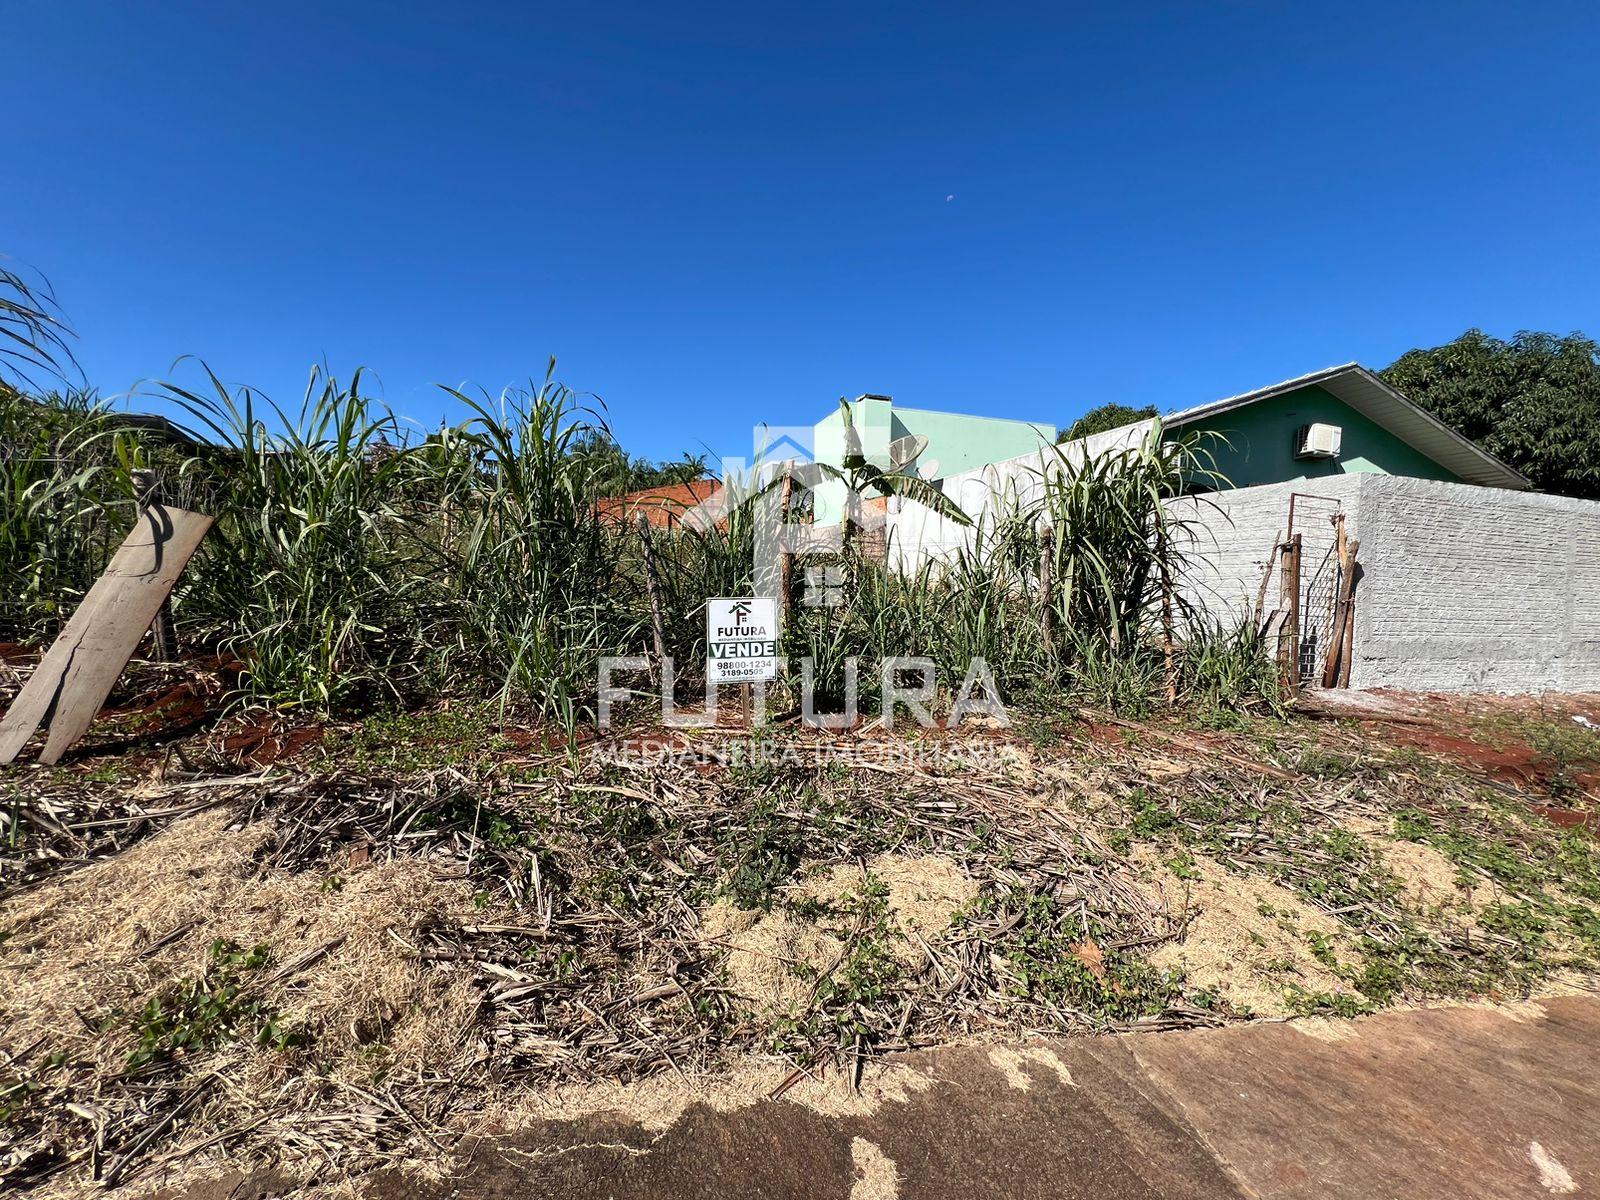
{"x": 1477, "y": 589}
{"x": 1463, "y": 588}
{"x": 1235, "y": 532}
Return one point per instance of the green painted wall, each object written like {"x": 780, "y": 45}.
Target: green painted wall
{"x": 1260, "y": 445}
{"x": 956, "y": 442}
{"x": 961, "y": 443}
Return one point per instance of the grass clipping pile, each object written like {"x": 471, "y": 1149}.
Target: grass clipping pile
{"x": 335, "y": 973}
{"x": 779, "y": 960}
{"x": 290, "y": 993}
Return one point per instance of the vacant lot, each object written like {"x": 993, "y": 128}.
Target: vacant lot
{"x": 334, "y": 948}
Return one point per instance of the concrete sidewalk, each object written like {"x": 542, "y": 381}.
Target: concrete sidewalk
{"x": 1459, "y": 1102}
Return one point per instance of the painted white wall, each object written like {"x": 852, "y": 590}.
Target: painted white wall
{"x": 1464, "y": 588}
{"x": 1476, "y": 589}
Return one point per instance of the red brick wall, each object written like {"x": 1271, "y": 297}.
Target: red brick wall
{"x": 663, "y": 507}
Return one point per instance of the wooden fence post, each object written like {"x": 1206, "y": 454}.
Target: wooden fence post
{"x": 1346, "y": 652}
{"x": 1047, "y": 618}
{"x": 1266, "y": 580}
{"x": 1169, "y": 651}
{"x": 653, "y": 585}
{"x": 785, "y": 559}
{"x": 1338, "y": 647}
{"x": 164, "y": 641}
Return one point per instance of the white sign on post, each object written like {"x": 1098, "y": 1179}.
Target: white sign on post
{"x": 741, "y": 639}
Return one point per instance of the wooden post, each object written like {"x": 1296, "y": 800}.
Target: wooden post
{"x": 1047, "y": 618}
{"x": 1341, "y": 621}
{"x": 1168, "y": 648}
{"x": 1170, "y": 666}
{"x": 164, "y": 642}
{"x": 1289, "y": 638}
{"x": 785, "y": 559}
{"x": 1345, "y": 650}
{"x": 1266, "y": 579}
{"x": 847, "y": 530}
{"x": 653, "y": 585}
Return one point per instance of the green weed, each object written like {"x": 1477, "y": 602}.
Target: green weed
{"x": 198, "y": 1014}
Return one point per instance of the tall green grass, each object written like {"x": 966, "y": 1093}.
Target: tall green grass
{"x": 34, "y": 336}
{"x": 349, "y": 559}
{"x": 530, "y": 577}
{"x": 307, "y": 573}
{"x": 59, "y": 489}
{"x": 346, "y": 563}
{"x": 55, "y": 484}
{"x": 1121, "y": 556}
{"x": 704, "y": 555}
{"x": 1118, "y": 550}
{"x": 354, "y": 563}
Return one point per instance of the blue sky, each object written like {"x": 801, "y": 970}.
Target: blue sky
{"x": 716, "y": 215}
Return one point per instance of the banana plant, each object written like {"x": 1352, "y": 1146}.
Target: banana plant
{"x": 860, "y": 474}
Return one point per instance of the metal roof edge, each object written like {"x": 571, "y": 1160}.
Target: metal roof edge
{"x": 1521, "y": 481}
{"x": 1228, "y": 403}
{"x": 1514, "y": 478}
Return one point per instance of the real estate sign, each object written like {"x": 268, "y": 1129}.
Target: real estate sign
{"x": 741, "y": 639}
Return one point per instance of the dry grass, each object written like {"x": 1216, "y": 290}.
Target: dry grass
{"x": 80, "y": 943}
{"x": 767, "y": 954}
{"x": 656, "y": 1103}
{"x": 1244, "y": 940}
{"x": 343, "y": 978}
{"x": 94, "y": 944}
{"x": 459, "y": 952}
{"x": 775, "y": 958}
{"x": 1430, "y": 881}
{"x": 923, "y": 894}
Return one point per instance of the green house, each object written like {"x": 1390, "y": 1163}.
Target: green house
{"x": 1340, "y": 421}
{"x": 956, "y": 442}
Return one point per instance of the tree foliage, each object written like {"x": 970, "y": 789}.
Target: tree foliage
{"x": 1533, "y": 401}
{"x": 1107, "y": 416}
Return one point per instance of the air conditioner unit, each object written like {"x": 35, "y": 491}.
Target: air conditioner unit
{"x": 1317, "y": 441}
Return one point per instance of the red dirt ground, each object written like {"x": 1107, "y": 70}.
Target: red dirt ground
{"x": 265, "y": 739}
{"x": 1455, "y": 728}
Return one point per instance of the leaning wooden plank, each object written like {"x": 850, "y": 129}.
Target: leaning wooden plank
{"x": 1345, "y": 653}
{"x": 37, "y": 700}
{"x": 1272, "y": 627}
{"x": 147, "y": 567}
{"x": 1289, "y": 637}
{"x": 77, "y": 674}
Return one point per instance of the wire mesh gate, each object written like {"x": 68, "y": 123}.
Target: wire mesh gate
{"x": 1316, "y": 519}
{"x": 1309, "y": 574}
